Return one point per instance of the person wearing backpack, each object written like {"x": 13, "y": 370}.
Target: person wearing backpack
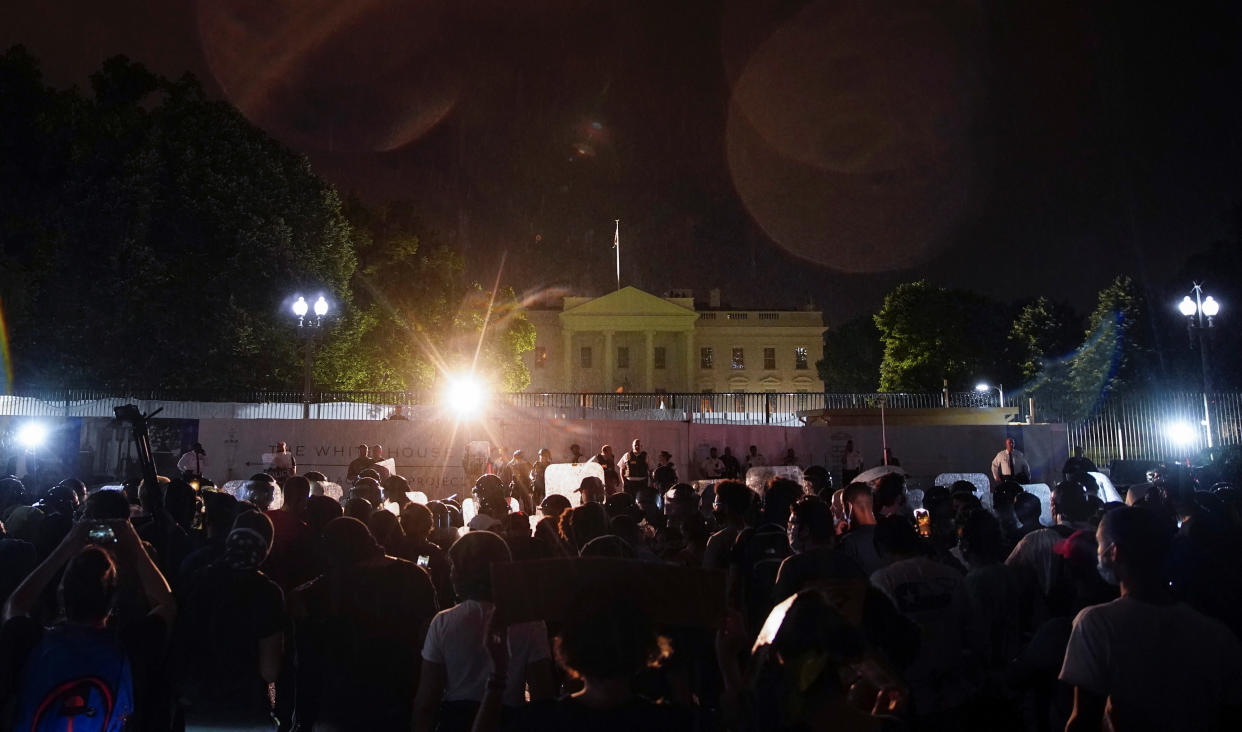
{"x": 85, "y": 673}
{"x": 758, "y": 552}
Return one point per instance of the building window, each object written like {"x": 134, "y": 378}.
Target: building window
{"x": 541, "y": 356}
{"x": 706, "y": 357}
{"x": 800, "y": 360}
{"x": 737, "y": 316}
{"x": 739, "y": 359}
{"x": 623, "y": 357}
{"x": 707, "y": 316}
{"x": 585, "y": 357}
{"x": 658, "y": 357}
{"x": 769, "y": 316}
{"x": 769, "y": 359}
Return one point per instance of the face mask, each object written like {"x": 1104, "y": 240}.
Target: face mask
{"x": 1107, "y": 568}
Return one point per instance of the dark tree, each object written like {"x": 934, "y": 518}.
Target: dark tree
{"x": 852, "y": 356}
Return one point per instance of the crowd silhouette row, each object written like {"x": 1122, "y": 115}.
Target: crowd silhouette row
{"x": 176, "y": 606}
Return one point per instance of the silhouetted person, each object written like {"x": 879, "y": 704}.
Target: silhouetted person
{"x": 1144, "y": 661}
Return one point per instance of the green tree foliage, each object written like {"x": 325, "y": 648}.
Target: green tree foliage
{"x": 1116, "y": 356}
{"x": 152, "y": 237}
{"x": 422, "y": 316}
{"x": 931, "y": 334}
{"x": 1043, "y": 331}
{"x": 852, "y": 356}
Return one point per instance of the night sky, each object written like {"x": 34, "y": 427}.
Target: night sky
{"x": 782, "y": 151}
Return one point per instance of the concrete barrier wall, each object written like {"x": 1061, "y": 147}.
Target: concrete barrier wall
{"x": 431, "y": 453}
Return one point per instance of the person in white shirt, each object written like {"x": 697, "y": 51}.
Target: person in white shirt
{"x": 755, "y": 459}
{"x": 711, "y": 467}
{"x": 851, "y": 463}
{"x": 193, "y": 462}
{"x": 283, "y": 464}
{"x": 1145, "y": 661}
{"x": 456, "y": 663}
{"x": 1011, "y": 464}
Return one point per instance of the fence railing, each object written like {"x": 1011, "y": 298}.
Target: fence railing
{"x": 741, "y": 407}
{"x": 1155, "y": 426}
{"x": 1161, "y": 426}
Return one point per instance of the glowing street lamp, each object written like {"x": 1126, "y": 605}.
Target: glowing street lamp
{"x": 1181, "y": 433}
{"x": 1196, "y": 310}
{"x": 31, "y": 435}
{"x": 465, "y": 394}
{"x": 308, "y": 329}
{"x": 983, "y": 386}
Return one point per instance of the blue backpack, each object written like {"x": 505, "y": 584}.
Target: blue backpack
{"x": 75, "y": 680}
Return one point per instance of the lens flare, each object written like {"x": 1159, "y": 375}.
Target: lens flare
{"x": 465, "y": 395}
{"x": 849, "y": 133}
{"x": 32, "y": 435}
{"x": 6, "y": 368}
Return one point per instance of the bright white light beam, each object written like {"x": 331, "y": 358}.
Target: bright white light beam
{"x": 465, "y": 395}
{"x": 32, "y": 435}
{"x": 1182, "y": 433}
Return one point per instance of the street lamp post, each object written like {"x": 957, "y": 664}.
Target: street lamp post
{"x": 308, "y": 330}
{"x": 1000, "y": 390}
{"x": 1196, "y": 311}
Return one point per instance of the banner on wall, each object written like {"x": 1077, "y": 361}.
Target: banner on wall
{"x": 429, "y": 454}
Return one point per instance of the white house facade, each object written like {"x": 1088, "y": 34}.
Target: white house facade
{"x": 633, "y": 341}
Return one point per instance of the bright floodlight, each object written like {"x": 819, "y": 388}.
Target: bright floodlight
{"x": 31, "y": 435}
{"x": 1181, "y": 433}
{"x": 465, "y": 395}
{"x": 981, "y": 386}
{"x": 1187, "y": 306}
{"x": 1210, "y": 306}
{"x": 321, "y": 307}
{"x": 299, "y": 307}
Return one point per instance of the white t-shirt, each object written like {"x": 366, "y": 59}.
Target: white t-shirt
{"x": 455, "y": 639}
{"x": 189, "y": 464}
{"x": 1163, "y": 667}
{"x": 852, "y": 460}
{"x": 934, "y": 596}
{"x": 711, "y": 467}
{"x": 1033, "y": 555}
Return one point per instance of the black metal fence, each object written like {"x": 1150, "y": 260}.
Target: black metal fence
{"x": 1161, "y": 426}
{"x": 1155, "y": 426}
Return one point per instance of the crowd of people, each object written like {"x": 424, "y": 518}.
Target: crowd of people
{"x": 174, "y": 606}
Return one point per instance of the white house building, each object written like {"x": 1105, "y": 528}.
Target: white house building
{"x": 633, "y": 341}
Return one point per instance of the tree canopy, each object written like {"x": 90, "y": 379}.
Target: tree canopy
{"x": 852, "y": 356}
{"x": 932, "y": 334}
{"x": 153, "y": 237}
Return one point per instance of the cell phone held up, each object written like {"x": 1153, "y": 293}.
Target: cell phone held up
{"x": 101, "y": 533}
{"x": 922, "y": 520}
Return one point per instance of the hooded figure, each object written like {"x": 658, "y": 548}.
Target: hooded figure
{"x": 360, "y": 635}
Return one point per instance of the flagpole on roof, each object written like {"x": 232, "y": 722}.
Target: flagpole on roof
{"x": 616, "y": 244}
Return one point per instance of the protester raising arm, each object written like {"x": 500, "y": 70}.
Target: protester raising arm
{"x": 133, "y": 554}
{"x": 23, "y": 601}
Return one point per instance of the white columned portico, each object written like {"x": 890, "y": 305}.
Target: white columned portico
{"x": 649, "y": 361}
{"x": 608, "y": 360}
{"x": 631, "y": 312}
{"x": 688, "y": 342}
{"x": 567, "y": 358}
